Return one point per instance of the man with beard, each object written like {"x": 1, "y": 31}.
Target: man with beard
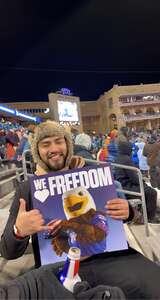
{"x": 52, "y": 150}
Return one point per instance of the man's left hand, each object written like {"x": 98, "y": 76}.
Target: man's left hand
{"x": 117, "y": 209}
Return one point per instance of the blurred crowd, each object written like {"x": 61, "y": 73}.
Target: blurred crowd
{"x": 128, "y": 148}
{"x": 145, "y": 146}
{"x": 14, "y": 140}
{"x": 124, "y": 146}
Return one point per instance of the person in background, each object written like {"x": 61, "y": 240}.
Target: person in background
{"x": 82, "y": 146}
{"x": 102, "y": 154}
{"x": 30, "y": 129}
{"x": 143, "y": 165}
{"x": 133, "y": 140}
{"x": 12, "y": 142}
{"x": 52, "y": 150}
{"x": 129, "y": 179}
{"x": 2, "y": 143}
{"x": 21, "y": 146}
{"x": 112, "y": 147}
{"x": 134, "y": 156}
{"x": 152, "y": 151}
{"x": 123, "y": 135}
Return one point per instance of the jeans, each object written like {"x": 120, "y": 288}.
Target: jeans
{"x": 119, "y": 186}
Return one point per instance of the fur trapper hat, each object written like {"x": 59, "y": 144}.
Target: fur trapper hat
{"x": 48, "y": 129}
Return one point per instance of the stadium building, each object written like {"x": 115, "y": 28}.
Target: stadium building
{"x": 136, "y": 106}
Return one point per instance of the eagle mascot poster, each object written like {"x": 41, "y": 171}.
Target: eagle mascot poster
{"x": 77, "y": 197}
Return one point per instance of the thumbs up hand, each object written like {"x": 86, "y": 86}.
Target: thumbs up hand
{"x": 29, "y": 222}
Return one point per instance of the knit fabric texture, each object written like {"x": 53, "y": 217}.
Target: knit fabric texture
{"x": 84, "y": 140}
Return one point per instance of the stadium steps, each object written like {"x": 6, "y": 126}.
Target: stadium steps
{"x": 147, "y": 245}
{"x": 4, "y": 201}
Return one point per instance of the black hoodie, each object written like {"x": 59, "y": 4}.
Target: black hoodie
{"x": 125, "y": 176}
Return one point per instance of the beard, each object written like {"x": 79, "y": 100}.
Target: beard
{"x": 56, "y": 165}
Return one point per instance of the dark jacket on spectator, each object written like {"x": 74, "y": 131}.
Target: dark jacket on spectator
{"x": 129, "y": 179}
{"x": 12, "y": 141}
{"x": 152, "y": 152}
{"x": 12, "y": 138}
{"x": 82, "y": 151}
{"x": 112, "y": 151}
{"x": 20, "y": 148}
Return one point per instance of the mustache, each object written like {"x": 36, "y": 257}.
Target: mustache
{"x": 51, "y": 154}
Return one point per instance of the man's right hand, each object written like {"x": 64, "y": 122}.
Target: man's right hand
{"x": 29, "y": 222}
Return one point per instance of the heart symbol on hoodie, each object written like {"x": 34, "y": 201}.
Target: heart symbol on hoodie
{"x": 41, "y": 195}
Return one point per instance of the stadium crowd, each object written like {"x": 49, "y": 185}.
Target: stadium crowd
{"x": 126, "y": 146}
{"x": 52, "y": 148}
{"x": 14, "y": 139}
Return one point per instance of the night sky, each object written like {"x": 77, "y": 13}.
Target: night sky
{"x": 86, "y": 46}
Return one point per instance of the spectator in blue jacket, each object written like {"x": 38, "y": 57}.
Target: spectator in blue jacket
{"x": 112, "y": 148}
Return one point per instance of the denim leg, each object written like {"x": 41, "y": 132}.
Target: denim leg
{"x": 119, "y": 186}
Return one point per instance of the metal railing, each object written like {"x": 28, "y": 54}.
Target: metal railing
{"x": 140, "y": 194}
{"x": 27, "y": 164}
{"x": 8, "y": 180}
{"x": 15, "y": 173}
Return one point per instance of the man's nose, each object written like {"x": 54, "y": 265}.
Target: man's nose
{"x": 53, "y": 147}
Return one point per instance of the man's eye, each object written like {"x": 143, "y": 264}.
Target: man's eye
{"x": 60, "y": 141}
